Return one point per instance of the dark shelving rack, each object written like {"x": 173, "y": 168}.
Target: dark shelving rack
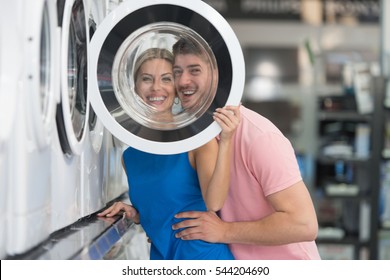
{"x": 370, "y": 166}
{"x": 382, "y": 115}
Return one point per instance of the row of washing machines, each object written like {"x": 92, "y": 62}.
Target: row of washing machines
{"x": 57, "y": 161}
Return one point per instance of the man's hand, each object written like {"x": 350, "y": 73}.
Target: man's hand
{"x": 118, "y": 208}
{"x": 206, "y": 226}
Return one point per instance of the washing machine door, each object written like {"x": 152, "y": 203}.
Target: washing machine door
{"x": 73, "y": 110}
{"x": 128, "y": 33}
{"x": 95, "y": 126}
{"x": 40, "y": 83}
{"x": 10, "y": 51}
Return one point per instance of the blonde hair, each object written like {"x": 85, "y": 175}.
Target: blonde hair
{"x": 152, "y": 53}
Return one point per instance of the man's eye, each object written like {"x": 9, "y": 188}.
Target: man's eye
{"x": 195, "y": 71}
{"x": 177, "y": 73}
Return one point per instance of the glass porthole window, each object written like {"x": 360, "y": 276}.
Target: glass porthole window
{"x": 73, "y": 110}
{"x": 163, "y": 35}
{"x": 39, "y": 49}
{"x": 72, "y": 82}
{"x": 77, "y": 52}
{"x": 92, "y": 118}
{"x": 45, "y": 62}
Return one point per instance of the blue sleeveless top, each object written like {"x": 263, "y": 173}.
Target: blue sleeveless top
{"x": 161, "y": 186}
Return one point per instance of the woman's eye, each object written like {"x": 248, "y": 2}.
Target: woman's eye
{"x": 167, "y": 79}
{"x": 146, "y": 79}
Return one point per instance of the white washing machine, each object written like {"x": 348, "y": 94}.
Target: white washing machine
{"x": 9, "y": 73}
{"x": 136, "y": 25}
{"x": 92, "y": 157}
{"x": 97, "y": 10}
{"x": 72, "y": 114}
{"x": 112, "y": 5}
{"x": 30, "y": 177}
{"x": 115, "y": 180}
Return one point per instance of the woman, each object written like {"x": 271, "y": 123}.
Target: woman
{"x": 162, "y": 185}
{"x": 153, "y": 79}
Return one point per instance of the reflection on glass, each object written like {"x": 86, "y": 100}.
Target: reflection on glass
{"x": 92, "y": 118}
{"x": 194, "y": 75}
{"x": 77, "y": 63}
{"x": 72, "y": 72}
{"x": 45, "y": 63}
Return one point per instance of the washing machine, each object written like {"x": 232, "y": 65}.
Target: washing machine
{"x": 97, "y": 10}
{"x": 71, "y": 125}
{"x": 112, "y": 5}
{"x": 137, "y": 25}
{"x": 93, "y": 155}
{"x": 9, "y": 73}
{"x": 28, "y": 201}
{"x": 115, "y": 180}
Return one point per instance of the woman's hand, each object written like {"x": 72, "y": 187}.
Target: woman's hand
{"x": 228, "y": 118}
{"x": 118, "y": 208}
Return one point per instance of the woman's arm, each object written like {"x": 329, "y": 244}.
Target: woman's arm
{"x": 212, "y": 161}
{"x": 120, "y": 207}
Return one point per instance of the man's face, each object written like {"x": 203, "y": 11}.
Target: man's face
{"x": 192, "y": 79}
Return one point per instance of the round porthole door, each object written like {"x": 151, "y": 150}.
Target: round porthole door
{"x": 40, "y": 51}
{"x": 73, "y": 110}
{"x": 132, "y": 102}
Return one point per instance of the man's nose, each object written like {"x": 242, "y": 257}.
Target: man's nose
{"x": 184, "y": 79}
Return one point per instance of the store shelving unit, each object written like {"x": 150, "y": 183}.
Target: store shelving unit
{"x": 347, "y": 178}
{"x": 382, "y": 225}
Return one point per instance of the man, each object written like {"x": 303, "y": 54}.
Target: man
{"x": 195, "y": 79}
{"x": 268, "y": 213}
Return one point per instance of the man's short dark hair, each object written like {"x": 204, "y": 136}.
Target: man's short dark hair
{"x": 185, "y": 46}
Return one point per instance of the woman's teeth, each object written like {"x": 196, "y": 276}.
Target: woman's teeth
{"x": 158, "y": 98}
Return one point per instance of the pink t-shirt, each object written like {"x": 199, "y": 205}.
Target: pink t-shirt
{"x": 263, "y": 163}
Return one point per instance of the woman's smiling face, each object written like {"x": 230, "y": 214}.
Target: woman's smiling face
{"x": 155, "y": 84}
